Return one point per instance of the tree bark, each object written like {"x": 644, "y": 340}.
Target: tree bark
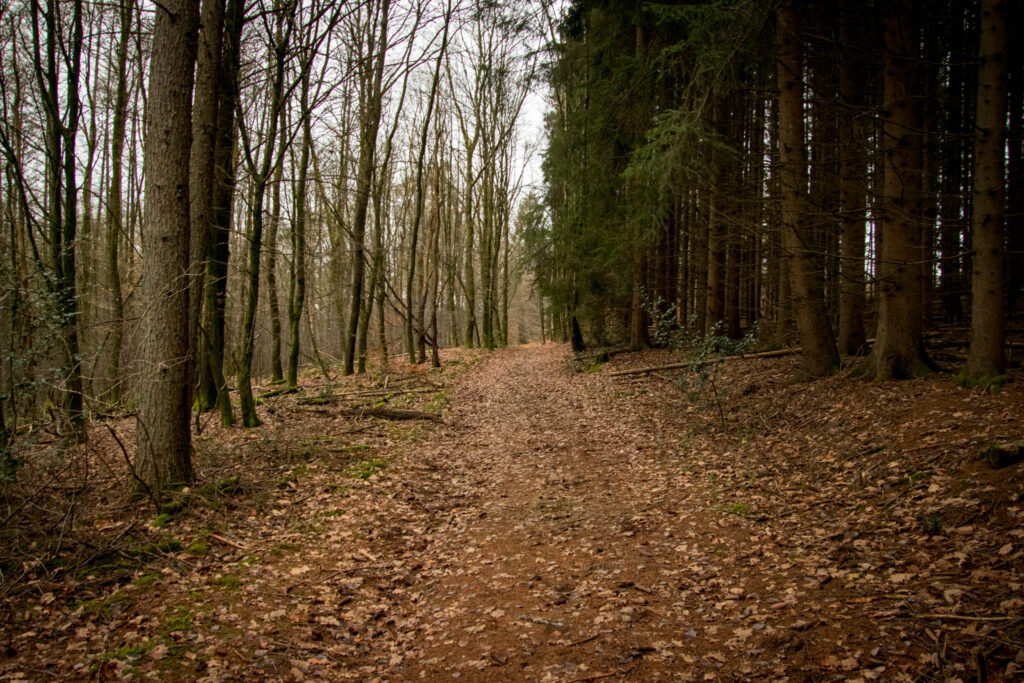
{"x": 369, "y": 124}
{"x": 986, "y": 358}
{"x": 115, "y": 211}
{"x": 899, "y": 349}
{"x": 163, "y": 455}
{"x": 820, "y": 357}
{"x": 201, "y": 171}
{"x": 852, "y": 190}
{"x": 297, "y": 286}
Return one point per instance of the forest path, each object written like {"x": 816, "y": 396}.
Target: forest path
{"x": 554, "y": 506}
{"x": 557, "y": 525}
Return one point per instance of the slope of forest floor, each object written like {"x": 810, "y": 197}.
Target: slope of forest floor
{"x": 557, "y": 523}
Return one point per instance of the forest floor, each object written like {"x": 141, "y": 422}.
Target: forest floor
{"x": 557, "y": 524}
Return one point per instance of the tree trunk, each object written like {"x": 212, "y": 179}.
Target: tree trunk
{"x": 418, "y": 208}
{"x": 260, "y": 176}
{"x": 899, "y": 349}
{"x": 276, "y": 371}
{"x": 852, "y": 190}
{"x": 820, "y": 357}
{"x": 985, "y": 357}
{"x": 201, "y": 170}
{"x": 297, "y": 286}
{"x": 163, "y": 456}
{"x": 213, "y": 388}
{"x": 115, "y": 211}
{"x": 369, "y": 124}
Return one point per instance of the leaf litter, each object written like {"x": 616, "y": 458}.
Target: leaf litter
{"x": 554, "y": 525}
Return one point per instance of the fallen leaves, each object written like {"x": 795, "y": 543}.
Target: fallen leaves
{"x": 569, "y": 527}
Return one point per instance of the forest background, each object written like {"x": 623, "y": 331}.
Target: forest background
{"x": 814, "y": 173}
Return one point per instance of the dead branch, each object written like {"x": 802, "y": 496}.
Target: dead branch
{"x": 686, "y": 364}
{"x": 391, "y": 414}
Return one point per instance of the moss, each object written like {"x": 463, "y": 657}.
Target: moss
{"x": 198, "y": 547}
{"x": 171, "y": 545}
{"x": 930, "y": 524}
{"x": 221, "y": 487}
{"x": 228, "y": 582}
{"x": 437, "y": 402}
{"x": 172, "y": 507}
{"x": 366, "y": 469}
{"x": 739, "y": 509}
{"x": 146, "y": 580}
{"x": 292, "y": 477}
{"x": 179, "y": 620}
{"x": 162, "y": 520}
{"x": 992, "y": 384}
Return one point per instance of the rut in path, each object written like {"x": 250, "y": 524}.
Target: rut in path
{"x": 553, "y": 552}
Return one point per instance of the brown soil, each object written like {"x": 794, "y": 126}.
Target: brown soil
{"x": 558, "y": 525}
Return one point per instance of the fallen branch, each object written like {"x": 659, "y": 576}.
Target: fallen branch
{"x": 277, "y": 392}
{"x": 686, "y": 364}
{"x": 227, "y": 541}
{"x": 966, "y": 617}
{"x": 391, "y": 414}
{"x": 371, "y": 393}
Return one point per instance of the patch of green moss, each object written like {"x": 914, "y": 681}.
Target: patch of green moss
{"x": 992, "y": 384}
{"x": 198, "y": 547}
{"x": 366, "y": 469}
{"x": 221, "y": 487}
{"x": 179, "y": 620}
{"x": 162, "y": 520}
{"x": 292, "y": 477}
{"x": 930, "y": 524}
{"x": 146, "y": 580}
{"x": 437, "y": 402}
{"x": 228, "y": 582}
{"x": 171, "y": 545}
{"x": 738, "y": 509}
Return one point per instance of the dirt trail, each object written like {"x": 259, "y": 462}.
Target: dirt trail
{"x": 554, "y": 547}
{"x": 549, "y": 561}
{"x": 557, "y": 526}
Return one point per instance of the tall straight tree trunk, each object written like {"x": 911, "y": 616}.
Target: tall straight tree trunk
{"x": 716, "y": 260}
{"x": 276, "y": 371}
{"x": 201, "y": 170}
{"x": 61, "y": 188}
{"x": 1015, "y": 172}
{"x": 163, "y": 456}
{"x": 699, "y": 261}
{"x": 213, "y": 388}
{"x": 115, "y": 211}
{"x": 852, "y": 191}
{"x": 899, "y": 348}
{"x": 260, "y": 176}
{"x": 369, "y": 124}
{"x": 69, "y": 304}
{"x": 418, "y": 208}
{"x": 297, "y": 282}
{"x": 469, "y": 277}
{"x": 986, "y": 358}
{"x": 820, "y": 357}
